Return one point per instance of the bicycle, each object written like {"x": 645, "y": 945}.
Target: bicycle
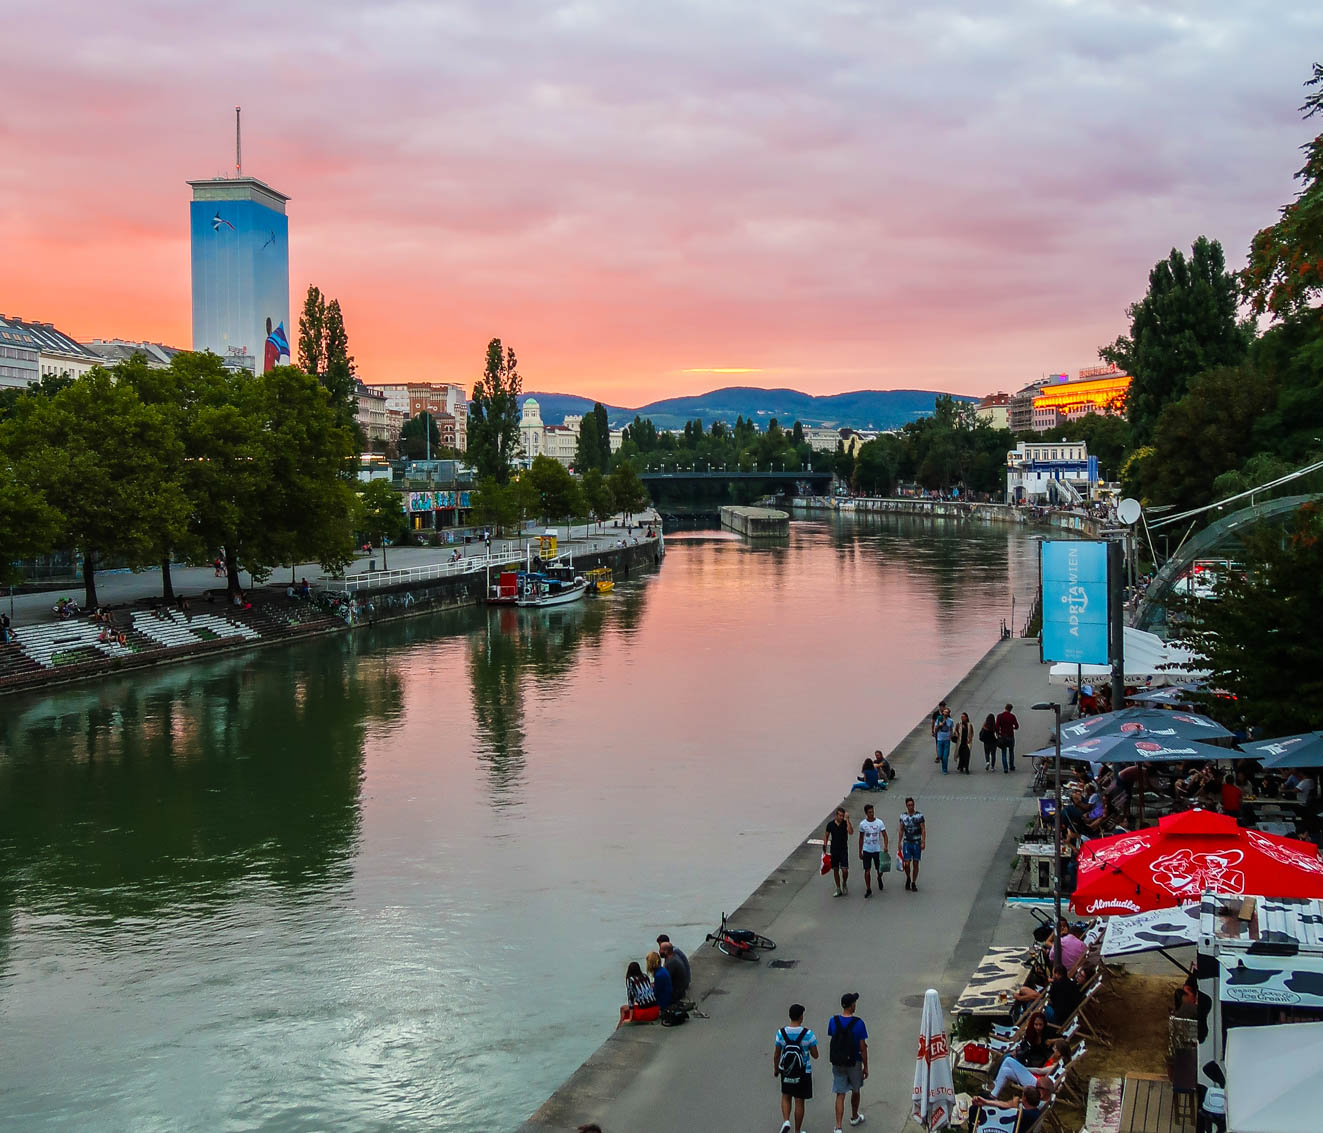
{"x": 739, "y": 943}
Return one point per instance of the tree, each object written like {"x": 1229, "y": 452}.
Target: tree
{"x": 420, "y": 438}
{"x": 875, "y": 467}
{"x": 557, "y": 492}
{"x": 380, "y": 514}
{"x": 104, "y": 462}
{"x": 627, "y": 491}
{"x": 1258, "y": 635}
{"x": 312, "y": 333}
{"x": 603, "y": 436}
{"x": 597, "y": 494}
{"x": 1185, "y": 324}
{"x": 496, "y": 505}
{"x": 338, "y": 377}
{"x": 494, "y": 415}
{"x": 587, "y": 452}
{"x": 28, "y": 524}
{"x": 1285, "y": 272}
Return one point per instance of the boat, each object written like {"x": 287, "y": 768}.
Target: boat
{"x": 600, "y": 580}
{"x": 555, "y": 585}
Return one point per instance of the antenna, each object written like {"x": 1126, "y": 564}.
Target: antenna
{"x": 238, "y": 145}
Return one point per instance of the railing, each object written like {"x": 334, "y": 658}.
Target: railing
{"x": 380, "y": 579}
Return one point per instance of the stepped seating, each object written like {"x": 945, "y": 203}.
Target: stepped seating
{"x": 67, "y": 643}
{"x": 170, "y": 629}
{"x": 15, "y": 663}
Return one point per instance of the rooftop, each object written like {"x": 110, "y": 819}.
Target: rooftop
{"x": 43, "y": 336}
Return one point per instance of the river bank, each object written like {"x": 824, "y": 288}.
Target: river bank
{"x": 979, "y": 512}
{"x": 713, "y": 1072}
{"x": 46, "y": 652}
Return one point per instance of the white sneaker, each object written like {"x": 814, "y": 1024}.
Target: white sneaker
{"x": 858, "y": 1120}
{"x": 837, "y": 893}
{"x": 786, "y": 1127}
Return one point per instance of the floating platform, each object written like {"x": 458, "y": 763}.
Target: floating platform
{"x": 756, "y": 522}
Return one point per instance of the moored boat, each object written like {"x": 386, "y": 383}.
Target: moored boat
{"x": 600, "y": 580}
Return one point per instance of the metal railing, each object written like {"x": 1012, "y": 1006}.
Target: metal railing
{"x": 380, "y": 579}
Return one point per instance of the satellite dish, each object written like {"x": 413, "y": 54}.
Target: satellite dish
{"x": 1128, "y": 511}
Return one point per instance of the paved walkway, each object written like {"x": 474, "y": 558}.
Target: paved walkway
{"x": 715, "y": 1073}
{"x": 119, "y": 587}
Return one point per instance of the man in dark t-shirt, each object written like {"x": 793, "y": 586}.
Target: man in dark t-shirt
{"x": 837, "y": 841}
{"x": 674, "y": 961}
{"x": 1007, "y": 725}
{"x": 1063, "y": 996}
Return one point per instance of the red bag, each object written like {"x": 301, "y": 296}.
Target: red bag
{"x": 976, "y": 1054}
{"x": 826, "y": 862}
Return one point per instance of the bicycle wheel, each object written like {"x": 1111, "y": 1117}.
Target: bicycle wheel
{"x": 736, "y": 951}
{"x": 764, "y": 943}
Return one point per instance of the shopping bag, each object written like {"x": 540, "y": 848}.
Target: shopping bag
{"x": 884, "y": 862}
{"x": 826, "y": 861}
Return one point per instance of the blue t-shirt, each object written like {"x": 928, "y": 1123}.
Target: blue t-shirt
{"x": 806, "y": 1039}
{"x": 661, "y": 986}
{"x": 852, "y": 1024}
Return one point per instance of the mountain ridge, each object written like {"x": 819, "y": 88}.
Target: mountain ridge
{"x": 858, "y": 409}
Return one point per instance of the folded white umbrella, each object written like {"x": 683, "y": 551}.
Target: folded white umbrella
{"x": 934, "y": 1090}
{"x": 1274, "y": 1077}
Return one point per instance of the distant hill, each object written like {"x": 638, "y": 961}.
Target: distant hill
{"x": 862, "y": 409}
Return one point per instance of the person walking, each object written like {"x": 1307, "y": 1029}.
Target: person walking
{"x": 963, "y": 737}
{"x": 872, "y": 841}
{"x": 1007, "y": 726}
{"x": 837, "y": 841}
{"x": 793, "y": 1052}
{"x": 938, "y": 712}
{"x": 988, "y": 735}
{"x": 942, "y": 729}
{"x": 913, "y": 840}
{"x": 849, "y": 1058}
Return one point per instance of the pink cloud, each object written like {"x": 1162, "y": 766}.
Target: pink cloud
{"x": 841, "y": 196}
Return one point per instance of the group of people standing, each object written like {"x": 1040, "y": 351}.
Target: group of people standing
{"x": 996, "y": 734}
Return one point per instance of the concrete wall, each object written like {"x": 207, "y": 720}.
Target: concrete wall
{"x": 950, "y": 509}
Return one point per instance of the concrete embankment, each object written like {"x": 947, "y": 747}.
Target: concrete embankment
{"x": 714, "y": 1072}
{"x": 51, "y": 652}
{"x": 948, "y": 509}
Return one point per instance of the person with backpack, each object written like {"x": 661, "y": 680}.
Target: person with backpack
{"x": 849, "y": 1058}
{"x": 793, "y": 1053}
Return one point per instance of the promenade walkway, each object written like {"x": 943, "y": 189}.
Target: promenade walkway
{"x": 121, "y": 587}
{"x": 716, "y": 1073}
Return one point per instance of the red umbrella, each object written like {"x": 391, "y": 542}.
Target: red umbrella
{"x": 1189, "y": 854}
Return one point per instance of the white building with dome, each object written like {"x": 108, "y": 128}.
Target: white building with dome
{"x": 532, "y": 433}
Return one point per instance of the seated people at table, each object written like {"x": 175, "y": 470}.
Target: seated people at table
{"x": 1301, "y": 783}
{"x": 1231, "y": 795}
{"x": 1072, "y": 947}
{"x": 1030, "y": 1105}
{"x": 661, "y": 980}
{"x": 1063, "y": 996}
{"x": 1013, "y": 1071}
{"x": 641, "y": 1005}
{"x": 1194, "y": 783}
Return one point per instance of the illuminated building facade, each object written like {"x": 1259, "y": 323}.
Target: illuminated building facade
{"x": 1101, "y": 389}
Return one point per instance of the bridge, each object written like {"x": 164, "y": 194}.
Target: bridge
{"x": 817, "y": 479}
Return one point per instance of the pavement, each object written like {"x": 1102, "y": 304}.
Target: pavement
{"x": 122, "y": 587}
{"x": 715, "y": 1073}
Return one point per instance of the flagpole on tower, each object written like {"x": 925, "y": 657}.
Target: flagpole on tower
{"x": 238, "y": 148}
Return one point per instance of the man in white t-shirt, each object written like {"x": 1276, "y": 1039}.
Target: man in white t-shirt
{"x": 872, "y": 841}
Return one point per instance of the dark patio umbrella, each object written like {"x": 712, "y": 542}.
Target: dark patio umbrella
{"x": 1139, "y": 747}
{"x": 1305, "y": 750}
{"x": 1155, "y": 722}
{"x": 1173, "y": 696}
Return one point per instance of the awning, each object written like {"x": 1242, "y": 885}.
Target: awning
{"x": 1153, "y": 931}
{"x": 1147, "y": 658}
{"x": 1274, "y": 1078}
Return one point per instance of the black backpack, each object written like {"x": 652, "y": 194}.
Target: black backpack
{"x": 673, "y": 1016}
{"x": 844, "y": 1049}
{"x": 794, "y": 1061}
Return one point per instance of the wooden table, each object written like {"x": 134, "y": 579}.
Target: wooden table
{"x": 1147, "y": 1106}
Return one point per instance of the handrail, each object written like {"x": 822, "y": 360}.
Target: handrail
{"x": 379, "y": 579}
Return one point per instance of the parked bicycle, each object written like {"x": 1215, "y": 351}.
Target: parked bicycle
{"x": 739, "y": 942}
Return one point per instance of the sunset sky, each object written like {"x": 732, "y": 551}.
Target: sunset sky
{"x": 649, "y": 200}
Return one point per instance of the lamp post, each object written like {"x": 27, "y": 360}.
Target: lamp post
{"x": 1055, "y": 708}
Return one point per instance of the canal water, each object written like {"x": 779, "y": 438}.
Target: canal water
{"x": 391, "y": 881}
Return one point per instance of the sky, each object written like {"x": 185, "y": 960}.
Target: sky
{"x": 655, "y": 199}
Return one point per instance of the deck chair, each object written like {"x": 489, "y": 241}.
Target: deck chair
{"x": 1080, "y": 1016}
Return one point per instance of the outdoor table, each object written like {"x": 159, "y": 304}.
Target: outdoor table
{"x": 1001, "y": 972}
{"x": 1147, "y": 1106}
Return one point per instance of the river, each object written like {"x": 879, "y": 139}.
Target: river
{"x": 391, "y": 881}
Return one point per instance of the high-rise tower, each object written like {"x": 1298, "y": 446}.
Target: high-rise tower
{"x": 240, "y": 251}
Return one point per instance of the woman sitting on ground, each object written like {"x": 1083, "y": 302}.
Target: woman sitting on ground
{"x": 642, "y": 1003}
{"x": 662, "y": 989}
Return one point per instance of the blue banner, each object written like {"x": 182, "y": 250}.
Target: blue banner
{"x": 1074, "y": 581}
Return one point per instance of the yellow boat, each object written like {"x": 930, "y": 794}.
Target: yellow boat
{"x": 599, "y": 580}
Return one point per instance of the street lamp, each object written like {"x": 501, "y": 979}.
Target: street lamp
{"x": 1055, "y": 708}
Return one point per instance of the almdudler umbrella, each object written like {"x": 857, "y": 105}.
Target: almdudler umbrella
{"x": 1158, "y": 723}
{"x": 1187, "y": 855}
{"x": 1305, "y": 750}
{"x": 934, "y": 1091}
